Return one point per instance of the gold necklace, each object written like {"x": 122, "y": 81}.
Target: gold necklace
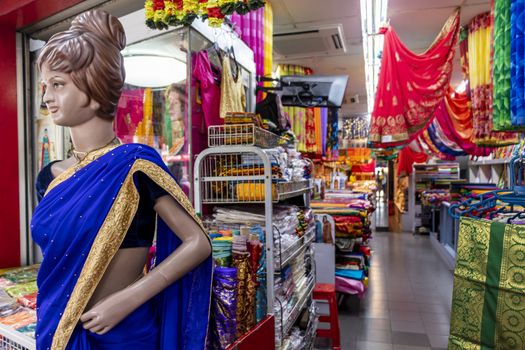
{"x": 80, "y": 156}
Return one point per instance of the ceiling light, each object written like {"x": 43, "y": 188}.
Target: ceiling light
{"x": 373, "y": 15}
{"x": 153, "y": 71}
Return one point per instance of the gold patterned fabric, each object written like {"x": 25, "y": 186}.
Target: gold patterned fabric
{"x": 488, "y": 303}
{"x": 233, "y": 96}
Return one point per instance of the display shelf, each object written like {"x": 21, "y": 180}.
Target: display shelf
{"x": 243, "y": 134}
{"x": 290, "y": 253}
{"x": 490, "y": 162}
{"x": 233, "y": 174}
{"x": 10, "y": 339}
{"x": 299, "y": 305}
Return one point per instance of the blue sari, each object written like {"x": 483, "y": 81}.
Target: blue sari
{"x": 517, "y": 62}
{"x": 79, "y": 225}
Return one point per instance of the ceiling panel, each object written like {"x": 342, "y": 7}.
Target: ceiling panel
{"x": 310, "y": 10}
{"x": 418, "y": 5}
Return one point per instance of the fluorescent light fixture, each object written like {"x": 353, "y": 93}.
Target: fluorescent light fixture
{"x": 153, "y": 71}
{"x": 373, "y": 14}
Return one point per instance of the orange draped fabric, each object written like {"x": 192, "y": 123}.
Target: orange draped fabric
{"x": 411, "y": 86}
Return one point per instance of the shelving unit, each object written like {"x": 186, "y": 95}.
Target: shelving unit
{"x": 422, "y": 177}
{"x": 255, "y": 184}
{"x": 490, "y": 171}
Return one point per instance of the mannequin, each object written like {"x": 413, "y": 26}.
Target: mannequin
{"x": 92, "y": 292}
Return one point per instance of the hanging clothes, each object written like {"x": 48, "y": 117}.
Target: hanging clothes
{"x": 501, "y": 66}
{"x": 411, "y": 86}
{"x": 233, "y": 95}
{"x": 455, "y": 120}
{"x": 318, "y": 132}
{"x": 517, "y": 57}
{"x": 206, "y": 99}
{"x": 130, "y": 112}
{"x": 463, "y": 51}
{"x": 407, "y": 157}
{"x": 479, "y": 47}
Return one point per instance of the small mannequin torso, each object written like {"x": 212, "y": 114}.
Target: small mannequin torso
{"x": 126, "y": 267}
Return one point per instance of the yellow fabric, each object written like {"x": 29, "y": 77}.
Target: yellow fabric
{"x": 233, "y": 96}
{"x": 479, "y": 54}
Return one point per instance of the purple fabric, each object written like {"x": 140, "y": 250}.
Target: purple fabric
{"x": 350, "y": 286}
{"x": 324, "y": 127}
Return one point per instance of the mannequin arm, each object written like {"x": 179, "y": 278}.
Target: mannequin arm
{"x": 195, "y": 248}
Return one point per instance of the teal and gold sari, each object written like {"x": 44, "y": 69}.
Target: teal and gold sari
{"x": 79, "y": 225}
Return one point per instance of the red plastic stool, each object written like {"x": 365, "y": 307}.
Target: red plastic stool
{"x": 327, "y": 292}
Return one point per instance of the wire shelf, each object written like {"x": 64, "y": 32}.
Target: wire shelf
{"x": 239, "y": 177}
{"x": 10, "y": 339}
{"x": 290, "y": 253}
{"x": 299, "y": 305}
{"x": 243, "y": 134}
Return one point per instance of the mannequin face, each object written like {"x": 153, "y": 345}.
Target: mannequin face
{"x": 65, "y": 101}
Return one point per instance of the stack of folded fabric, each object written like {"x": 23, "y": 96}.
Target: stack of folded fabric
{"x": 351, "y": 214}
{"x": 18, "y": 291}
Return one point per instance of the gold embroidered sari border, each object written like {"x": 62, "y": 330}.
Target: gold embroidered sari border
{"x": 108, "y": 241}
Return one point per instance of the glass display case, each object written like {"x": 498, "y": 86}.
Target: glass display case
{"x": 165, "y": 102}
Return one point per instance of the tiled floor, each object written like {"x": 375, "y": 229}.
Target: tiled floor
{"x": 407, "y": 306}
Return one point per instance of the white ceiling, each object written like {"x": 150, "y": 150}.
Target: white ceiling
{"x": 417, "y": 22}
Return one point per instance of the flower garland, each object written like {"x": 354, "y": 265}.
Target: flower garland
{"x": 160, "y": 14}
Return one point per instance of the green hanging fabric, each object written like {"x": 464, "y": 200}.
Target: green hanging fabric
{"x": 501, "y": 67}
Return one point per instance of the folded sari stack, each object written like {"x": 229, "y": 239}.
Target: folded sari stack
{"x": 18, "y": 292}
{"x": 351, "y": 214}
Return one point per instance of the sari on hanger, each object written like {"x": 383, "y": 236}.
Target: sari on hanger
{"x": 80, "y": 224}
{"x": 411, "y": 86}
{"x": 517, "y": 57}
{"x": 480, "y": 41}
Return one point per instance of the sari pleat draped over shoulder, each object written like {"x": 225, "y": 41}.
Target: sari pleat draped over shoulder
{"x": 411, "y": 86}
{"x": 80, "y": 224}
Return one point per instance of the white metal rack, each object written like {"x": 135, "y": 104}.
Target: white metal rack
{"x": 10, "y": 339}
{"x": 223, "y": 176}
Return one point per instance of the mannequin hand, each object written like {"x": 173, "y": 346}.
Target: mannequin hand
{"x": 107, "y": 313}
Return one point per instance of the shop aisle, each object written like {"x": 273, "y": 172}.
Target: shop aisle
{"x": 407, "y": 306}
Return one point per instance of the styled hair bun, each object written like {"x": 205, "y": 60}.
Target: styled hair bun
{"x": 105, "y": 26}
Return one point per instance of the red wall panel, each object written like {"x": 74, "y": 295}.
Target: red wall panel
{"x": 14, "y": 14}
{"x": 9, "y": 202}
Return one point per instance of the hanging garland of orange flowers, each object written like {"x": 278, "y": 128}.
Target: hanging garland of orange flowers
{"x": 160, "y": 14}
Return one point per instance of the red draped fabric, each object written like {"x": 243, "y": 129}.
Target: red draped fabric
{"x": 454, "y": 116}
{"x": 407, "y": 157}
{"x": 411, "y": 86}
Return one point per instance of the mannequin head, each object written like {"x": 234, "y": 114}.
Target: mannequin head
{"x": 175, "y": 98}
{"x": 83, "y": 69}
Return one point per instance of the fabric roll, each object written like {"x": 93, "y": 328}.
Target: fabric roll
{"x": 224, "y": 307}
{"x": 245, "y": 286}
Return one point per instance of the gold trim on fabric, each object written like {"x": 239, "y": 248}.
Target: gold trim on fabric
{"x": 74, "y": 168}
{"x": 108, "y": 241}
